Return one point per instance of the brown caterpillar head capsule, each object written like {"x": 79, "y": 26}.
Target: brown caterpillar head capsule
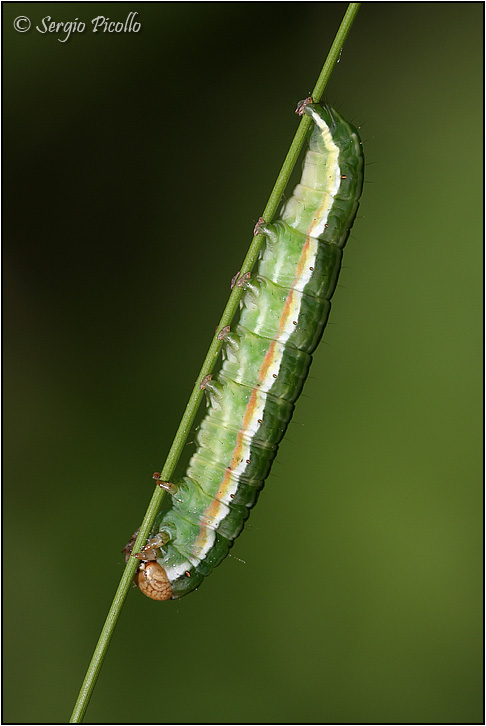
{"x": 152, "y": 580}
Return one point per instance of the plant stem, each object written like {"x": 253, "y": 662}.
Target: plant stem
{"x": 211, "y": 357}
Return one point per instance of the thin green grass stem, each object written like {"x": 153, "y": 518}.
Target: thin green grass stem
{"x": 209, "y": 362}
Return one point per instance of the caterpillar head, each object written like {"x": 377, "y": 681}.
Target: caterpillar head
{"x": 152, "y": 580}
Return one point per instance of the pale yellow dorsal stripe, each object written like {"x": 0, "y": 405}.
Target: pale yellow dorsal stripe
{"x": 319, "y": 222}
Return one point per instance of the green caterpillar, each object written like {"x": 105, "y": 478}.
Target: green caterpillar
{"x": 266, "y": 359}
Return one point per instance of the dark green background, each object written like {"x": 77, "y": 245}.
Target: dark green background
{"x": 136, "y": 167}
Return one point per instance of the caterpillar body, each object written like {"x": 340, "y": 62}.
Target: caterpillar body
{"x": 284, "y": 310}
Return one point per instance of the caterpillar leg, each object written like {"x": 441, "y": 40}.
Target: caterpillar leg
{"x": 148, "y": 553}
{"x": 268, "y": 230}
{"x": 301, "y": 106}
{"x": 213, "y": 389}
{"x": 226, "y": 336}
{"x": 167, "y": 486}
{"x": 150, "y": 577}
{"x": 258, "y": 227}
{"x": 129, "y": 545}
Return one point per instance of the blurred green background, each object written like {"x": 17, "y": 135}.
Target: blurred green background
{"x": 136, "y": 167}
